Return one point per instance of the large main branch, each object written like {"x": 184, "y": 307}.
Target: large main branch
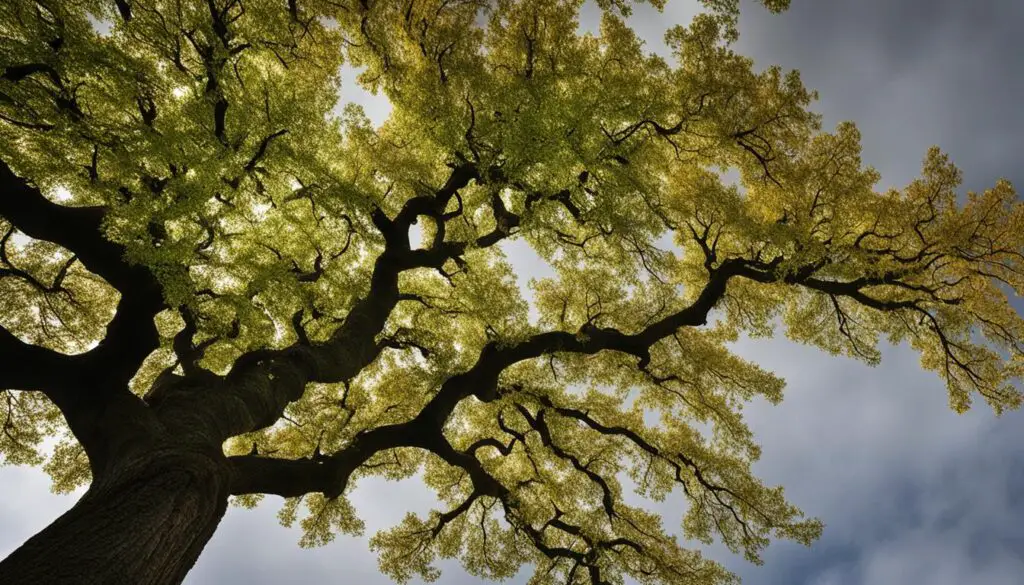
{"x": 86, "y": 387}
{"x": 330, "y": 475}
{"x": 256, "y": 474}
{"x": 131, "y": 334}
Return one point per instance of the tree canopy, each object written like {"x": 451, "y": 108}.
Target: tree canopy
{"x": 200, "y": 250}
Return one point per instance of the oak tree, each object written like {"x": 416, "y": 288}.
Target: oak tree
{"x": 215, "y": 284}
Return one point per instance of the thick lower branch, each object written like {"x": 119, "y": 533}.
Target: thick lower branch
{"x": 330, "y": 475}
{"x": 131, "y": 335}
{"x": 91, "y": 389}
{"x": 24, "y": 366}
{"x": 78, "y": 229}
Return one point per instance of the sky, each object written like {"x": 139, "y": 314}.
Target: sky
{"x": 909, "y": 491}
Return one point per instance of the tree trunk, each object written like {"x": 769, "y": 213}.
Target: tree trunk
{"x": 143, "y": 523}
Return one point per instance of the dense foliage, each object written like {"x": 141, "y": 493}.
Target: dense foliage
{"x": 199, "y": 247}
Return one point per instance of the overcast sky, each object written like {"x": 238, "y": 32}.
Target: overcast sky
{"x": 909, "y": 492}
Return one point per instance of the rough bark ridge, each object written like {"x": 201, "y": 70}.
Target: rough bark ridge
{"x": 146, "y": 521}
{"x": 160, "y": 480}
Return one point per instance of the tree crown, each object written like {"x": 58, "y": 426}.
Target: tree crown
{"x": 193, "y": 229}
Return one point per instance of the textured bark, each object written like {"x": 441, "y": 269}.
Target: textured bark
{"x": 144, "y": 522}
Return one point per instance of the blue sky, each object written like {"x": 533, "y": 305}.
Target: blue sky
{"x": 909, "y": 491}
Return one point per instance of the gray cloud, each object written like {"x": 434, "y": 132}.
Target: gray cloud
{"x": 28, "y": 506}
{"x": 900, "y": 480}
{"x": 911, "y": 73}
